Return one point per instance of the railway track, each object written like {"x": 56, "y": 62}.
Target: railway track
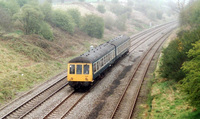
{"x": 24, "y": 109}
{"x": 132, "y": 89}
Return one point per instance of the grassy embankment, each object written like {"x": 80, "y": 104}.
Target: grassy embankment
{"x": 166, "y": 101}
{"x": 24, "y": 65}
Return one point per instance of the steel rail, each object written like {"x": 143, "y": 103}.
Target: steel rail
{"x": 26, "y": 102}
{"x": 130, "y": 80}
{"x": 65, "y": 99}
{"x": 146, "y": 70}
{"x": 42, "y": 101}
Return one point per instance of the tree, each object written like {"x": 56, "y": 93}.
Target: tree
{"x": 63, "y": 20}
{"x": 23, "y": 2}
{"x": 31, "y": 17}
{"x": 76, "y": 16}
{"x": 101, "y": 8}
{"x": 47, "y": 10}
{"x": 11, "y": 6}
{"x": 93, "y": 26}
{"x": 191, "y": 83}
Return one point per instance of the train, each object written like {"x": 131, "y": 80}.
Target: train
{"x": 83, "y": 70}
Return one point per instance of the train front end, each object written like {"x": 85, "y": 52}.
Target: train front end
{"x": 80, "y": 74}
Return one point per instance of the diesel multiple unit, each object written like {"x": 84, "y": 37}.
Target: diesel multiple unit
{"x": 83, "y": 70}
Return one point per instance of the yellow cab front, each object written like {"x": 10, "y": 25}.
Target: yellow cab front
{"x": 81, "y": 72}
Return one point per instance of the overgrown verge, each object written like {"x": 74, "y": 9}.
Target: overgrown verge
{"x": 167, "y": 102}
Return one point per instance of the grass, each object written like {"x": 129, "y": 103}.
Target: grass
{"x": 167, "y": 102}
{"x": 18, "y": 73}
{"x": 24, "y": 65}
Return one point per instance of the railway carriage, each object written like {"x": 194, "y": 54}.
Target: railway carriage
{"x": 83, "y": 70}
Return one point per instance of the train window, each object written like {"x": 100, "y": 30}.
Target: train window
{"x": 94, "y": 67}
{"x": 98, "y": 65}
{"x": 101, "y": 62}
{"x": 79, "y": 69}
{"x": 86, "y": 69}
{"x": 72, "y": 69}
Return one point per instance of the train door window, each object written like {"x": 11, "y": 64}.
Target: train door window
{"x": 86, "y": 69}
{"x": 79, "y": 69}
{"x": 72, "y": 69}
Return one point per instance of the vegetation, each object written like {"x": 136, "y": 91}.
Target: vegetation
{"x": 180, "y": 60}
{"x": 101, "y": 8}
{"x": 167, "y": 102}
{"x": 93, "y": 26}
{"x": 63, "y": 20}
{"x": 76, "y": 15}
{"x": 120, "y": 23}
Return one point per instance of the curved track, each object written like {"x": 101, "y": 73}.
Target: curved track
{"x": 73, "y": 98}
{"x": 133, "y": 87}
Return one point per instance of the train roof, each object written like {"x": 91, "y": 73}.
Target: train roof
{"x": 93, "y": 54}
{"x": 96, "y": 53}
{"x": 119, "y": 40}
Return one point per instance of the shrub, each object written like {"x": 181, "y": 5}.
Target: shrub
{"x": 120, "y": 9}
{"x": 46, "y": 31}
{"x": 176, "y": 54}
{"x": 23, "y": 2}
{"x": 190, "y": 15}
{"x": 76, "y": 15}
{"x": 11, "y": 6}
{"x": 31, "y": 17}
{"x": 191, "y": 82}
{"x": 171, "y": 61}
{"x": 93, "y": 26}
{"x": 63, "y": 20}
{"x": 101, "y": 8}
{"x": 47, "y": 11}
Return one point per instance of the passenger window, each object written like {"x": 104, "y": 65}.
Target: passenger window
{"x": 86, "y": 69}
{"x": 79, "y": 69}
{"x": 72, "y": 69}
{"x": 94, "y": 67}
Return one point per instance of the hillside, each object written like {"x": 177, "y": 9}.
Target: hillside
{"x": 28, "y": 59}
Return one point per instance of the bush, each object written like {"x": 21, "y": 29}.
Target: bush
{"x": 11, "y": 6}
{"x": 47, "y": 11}
{"x": 76, "y": 15}
{"x": 31, "y": 18}
{"x": 46, "y": 31}
{"x": 191, "y": 83}
{"x": 101, "y": 8}
{"x": 171, "y": 61}
{"x": 120, "y": 9}
{"x": 190, "y": 15}
{"x": 63, "y": 20}
{"x": 93, "y": 26}
{"x": 23, "y": 2}
{"x": 176, "y": 54}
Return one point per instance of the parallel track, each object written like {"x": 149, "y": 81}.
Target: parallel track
{"x": 27, "y": 107}
{"x": 156, "y": 45}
